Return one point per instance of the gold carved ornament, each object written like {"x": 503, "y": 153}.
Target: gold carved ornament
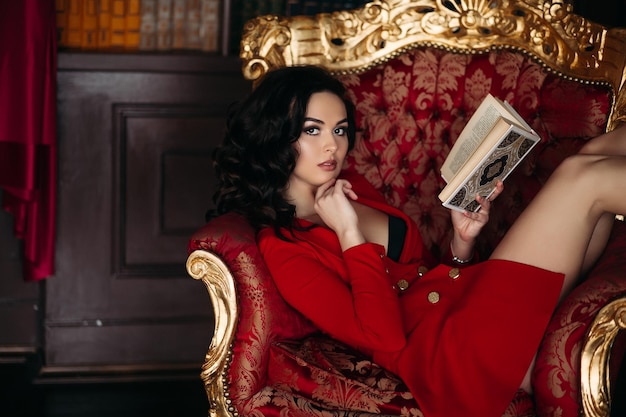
{"x": 595, "y": 358}
{"x": 205, "y": 266}
{"x": 354, "y": 41}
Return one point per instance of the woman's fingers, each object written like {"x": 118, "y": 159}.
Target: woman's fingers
{"x": 322, "y": 189}
{"x": 485, "y": 202}
{"x": 346, "y": 188}
{"x": 497, "y": 191}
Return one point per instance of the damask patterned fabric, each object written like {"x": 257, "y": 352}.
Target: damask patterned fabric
{"x": 411, "y": 110}
{"x": 556, "y": 378}
{"x": 263, "y": 315}
{"x": 409, "y": 113}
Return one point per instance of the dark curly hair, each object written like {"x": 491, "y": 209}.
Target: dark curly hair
{"x": 257, "y": 157}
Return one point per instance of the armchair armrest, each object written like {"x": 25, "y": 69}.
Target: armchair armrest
{"x": 249, "y": 313}
{"x": 582, "y": 351}
{"x": 208, "y": 267}
{"x": 595, "y": 373}
{"x": 604, "y": 347}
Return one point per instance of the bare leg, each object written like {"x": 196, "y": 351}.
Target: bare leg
{"x": 598, "y": 241}
{"x": 612, "y": 143}
{"x": 555, "y": 231}
{"x": 565, "y": 227}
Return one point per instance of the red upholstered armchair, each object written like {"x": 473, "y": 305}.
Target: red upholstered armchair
{"x": 416, "y": 71}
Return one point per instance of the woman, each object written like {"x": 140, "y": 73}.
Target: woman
{"x": 461, "y": 335}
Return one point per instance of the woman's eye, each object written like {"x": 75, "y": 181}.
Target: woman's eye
{"x": 311, "y": 130}
{"x": 341, "y": 131}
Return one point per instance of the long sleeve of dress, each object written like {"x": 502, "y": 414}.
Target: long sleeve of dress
{"x": 345, "y": 294}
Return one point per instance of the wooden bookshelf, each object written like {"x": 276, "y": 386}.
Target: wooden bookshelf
{"x": 209, "y": 26}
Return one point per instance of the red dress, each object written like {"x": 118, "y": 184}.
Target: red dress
{"x": 461, "y": 339}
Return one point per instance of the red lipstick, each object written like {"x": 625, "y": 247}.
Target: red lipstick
{"x": 329, "y": 165}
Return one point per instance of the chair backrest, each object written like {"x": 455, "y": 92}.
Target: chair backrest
{"x": 418, "y": 69}
{"x": 354, "y": 41}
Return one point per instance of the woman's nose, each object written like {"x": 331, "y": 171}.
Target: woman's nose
{"x": 330, "y": 145}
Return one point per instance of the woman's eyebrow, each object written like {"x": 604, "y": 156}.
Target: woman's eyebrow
{"x": 313, "y": 119}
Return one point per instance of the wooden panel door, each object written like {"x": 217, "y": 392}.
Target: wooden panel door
{"x": 135, "y": 138}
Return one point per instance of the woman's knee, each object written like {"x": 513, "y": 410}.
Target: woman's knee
{"x": 611, "y": 143}
{"x": 578, "y": 167}
{"x": 586, "y": 176}
{"x": 594, "y": 146}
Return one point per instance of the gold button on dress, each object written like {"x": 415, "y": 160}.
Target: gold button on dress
{"x": 403, "y": 284}
{"x": 454, "y": 273}
{"x": 433, "y": 297}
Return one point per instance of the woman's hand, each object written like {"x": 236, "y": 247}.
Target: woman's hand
{"x": 468, "y": 225}
{"x": 333, "y": 206}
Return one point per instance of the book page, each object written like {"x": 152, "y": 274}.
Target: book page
{"x": 517, "y": 116}
{"x": 485, "y": 147}
{"x": 473, "y": 134}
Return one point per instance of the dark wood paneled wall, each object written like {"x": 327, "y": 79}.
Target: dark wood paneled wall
{"x": 135, "y": 136}
{"x": 20, "y": 306}
{"x": 136, "y": 133}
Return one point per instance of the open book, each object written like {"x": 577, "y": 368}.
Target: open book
{"x": 492, "y": 144}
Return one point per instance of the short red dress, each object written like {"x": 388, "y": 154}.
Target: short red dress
{"x": 460, "y": 338}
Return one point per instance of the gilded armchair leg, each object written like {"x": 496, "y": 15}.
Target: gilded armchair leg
{"x": 220, "y": 404}
{"x": 595, "y": 384}
{"x": 205, "y": 266}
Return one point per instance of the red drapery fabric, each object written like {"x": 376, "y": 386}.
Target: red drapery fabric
{"x": 28, "y": 128}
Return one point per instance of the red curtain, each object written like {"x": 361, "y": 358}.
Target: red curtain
{"x": 28, "y": 127}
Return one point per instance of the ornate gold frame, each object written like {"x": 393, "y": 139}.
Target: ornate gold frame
{"x": 353, "y": 41}
{"x": 211, "y": 270}
{"x": 595, "y": 385}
